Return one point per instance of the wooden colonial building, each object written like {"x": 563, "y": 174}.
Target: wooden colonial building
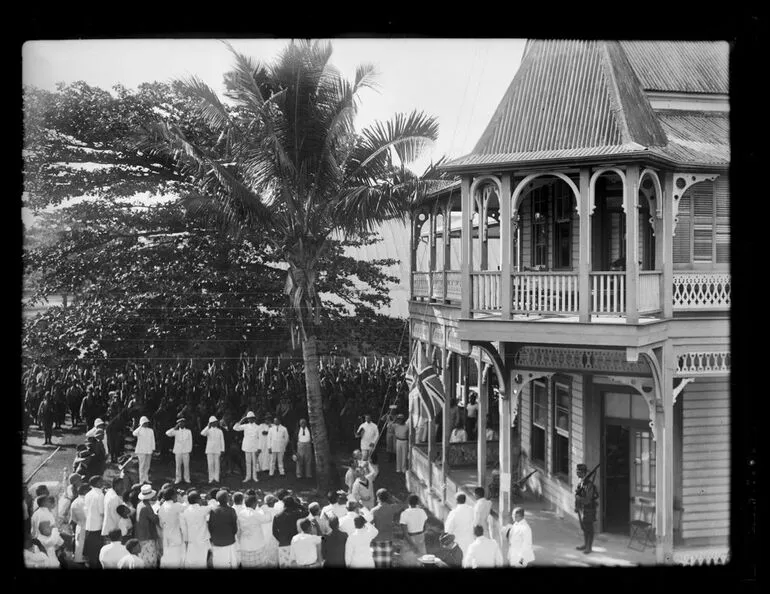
{"x": 576, "y": 277}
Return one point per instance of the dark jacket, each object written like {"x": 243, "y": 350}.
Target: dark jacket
{"x": 285, "y": 526}
{"x": 223, "y": 526}
{"x": 146, "y": 522}
{"x": 452, "y": 557}
{"x": 333, "y": 548}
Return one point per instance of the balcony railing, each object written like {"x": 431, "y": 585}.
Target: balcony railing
{"x": 699, "y": 291}
{"x": 649, "y": 290}
{"x": 420, "y": 465}
{"x": 544, "y": 292}
{"x": 437, "y": 284}
{"x": 421, "y": 284}
{"x": 485, "y": 291}
{"x": 608, "y": 292}
{"x": 454, "y": 287}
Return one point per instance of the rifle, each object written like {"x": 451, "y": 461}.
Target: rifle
{"x": 580, "y": 492}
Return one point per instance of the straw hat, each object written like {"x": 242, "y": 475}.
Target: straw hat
{"x": 146, "y": 492}
{"x": 143, "y": 420}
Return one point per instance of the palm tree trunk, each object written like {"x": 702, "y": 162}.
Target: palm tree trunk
{"x": 325, "y": 475}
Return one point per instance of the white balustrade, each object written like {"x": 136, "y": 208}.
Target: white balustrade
{"x": 421, "y": 284}
{"x": 544, "y": 292}
{"x": 454, "y": 289}
{"x": 608, "y": 292}
{"x": 437, "y": 285}
{"x": 485, "y": 291}
{"x": 698, "y": 291}
{"x": 420, "y": 465}
{"x": 649, "y": 290}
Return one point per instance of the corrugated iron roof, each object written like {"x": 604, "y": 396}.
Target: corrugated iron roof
{"x": 680, "y": 66}
{"x": 573, "y": 99}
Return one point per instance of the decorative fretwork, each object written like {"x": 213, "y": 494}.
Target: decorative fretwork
{"x": 420, "y": 330}
{"x": 701, "y": 290}
{"x": 682, "y": 181}
{"x": 680, "y": 387}
{"x": 563, "y": 358}
{"x": 703, "y": 363}
{"x": 701, "y": 556}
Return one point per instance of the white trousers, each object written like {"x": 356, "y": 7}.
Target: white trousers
{"x": 213, "y": 463}
{"x": 182, "y": 460}
{"x": 252, "y": 465}
{"x": 276, "y": 459}
{"x": 144, "y": 467}
{"x": 401, "y": 452}
{"x": 224, "y": 557}
{"x": 304, "y": 460}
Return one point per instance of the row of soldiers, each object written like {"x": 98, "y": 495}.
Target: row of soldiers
{"x": 121, "y": 396}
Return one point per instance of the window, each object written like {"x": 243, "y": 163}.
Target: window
{"x": 539, "y": 421}
{"x": 539, "y": 228}
{"x": 562, "y": 230}
{"x": 561, "y": 428}
{"x": 644, "y": 462}
{"x": 702, "y": 234}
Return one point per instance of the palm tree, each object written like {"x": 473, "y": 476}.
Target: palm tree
{"x": 289, "y": 164}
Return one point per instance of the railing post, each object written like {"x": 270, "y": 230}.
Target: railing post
{"x": 449, "y": 389}
{"x": 667, "y": 242}
{"x": 467, "y": 246}
{"x": 412, "y": 255}
{"x": 505, "y": 247}
{"x": 504, "y": 430}
{"x": 631, "y": 190}
{"x": 584, "y": 255}
{"x": 481, "y": 425}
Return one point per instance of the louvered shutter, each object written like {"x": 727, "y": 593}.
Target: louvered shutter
{"x": 722, "y": 191}
{"x": 682, "y": 233}
{"x": 703, "y": 222}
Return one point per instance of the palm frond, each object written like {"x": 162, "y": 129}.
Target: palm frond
{"x": 211, "y": 110}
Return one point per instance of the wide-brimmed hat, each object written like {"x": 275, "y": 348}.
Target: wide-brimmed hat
{"x": 181, "y": 420}
{"x": 147, "y": 492}
{"x": 98, "y": 422}
{"x": 143, "y": 420}
{"x": 251, "y": 415}
{"x": 213, "y": 419}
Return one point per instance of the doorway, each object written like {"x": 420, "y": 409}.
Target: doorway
{"x": 617, "y": 475}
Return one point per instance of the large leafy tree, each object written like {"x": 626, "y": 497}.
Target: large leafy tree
{"x": 290, "y": 164}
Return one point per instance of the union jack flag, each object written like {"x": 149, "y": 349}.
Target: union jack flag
{"x": 422, "y": 378}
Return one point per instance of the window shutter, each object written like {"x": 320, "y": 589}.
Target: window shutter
{"x": 682, "y": 232}
{"x": 722, "y": 191}
{"x": 702, "y": 245}
{"x": 703, "y": 199}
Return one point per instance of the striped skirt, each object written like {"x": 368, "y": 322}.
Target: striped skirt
{"x": 258, "y": 558}
{"x": 284, "y": 557}
{"x": 382, "y": 552}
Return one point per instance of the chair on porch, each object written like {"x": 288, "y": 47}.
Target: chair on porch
{"x": 641, "y": 528}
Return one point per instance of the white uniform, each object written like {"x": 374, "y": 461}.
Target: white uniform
{"x": 358, "y": 549}
{"x": 277, "y": 439}
{"x": 182, "y": 448}
{"x": 215, "y": 446}
{"x": 169, "y": 518}
{"x": 459, "y": 522}
{"x": 483, "y": 552}
{"x": 368, "y": 437}
{"x": 145, "y": 446}
{"x": 194, "y": 522}
{"x": 520, "y": 552}
{"x": 250, "y": 446}
{"x": 264, "y": 456}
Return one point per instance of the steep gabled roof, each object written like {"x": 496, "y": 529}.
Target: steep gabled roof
{"x": 581, "y": 99}
{"x": 680, "y": 66}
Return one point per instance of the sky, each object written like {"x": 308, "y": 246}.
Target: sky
{"x": 460, "y": 81}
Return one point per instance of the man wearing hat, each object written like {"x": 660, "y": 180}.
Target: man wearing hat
{"x": 145, "y": 446}
{"x": 250, "y": 444}
{"x": 401, "y": 437}
{"x": 98, "y": 431}
{"x": 586, "y": 499}
{"x": 182, "y": 448}
{"x": 95, "y": 444}
{"x": 450, "y": 554}
{"x": 277, "y": 438}
{"x": 146, "y": 527}
{"x": 215, "y": 447}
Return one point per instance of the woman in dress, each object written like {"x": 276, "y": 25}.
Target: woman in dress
{"x": 146, "y": 528}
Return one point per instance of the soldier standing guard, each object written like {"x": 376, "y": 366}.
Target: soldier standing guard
{"x": 586, "y": 497}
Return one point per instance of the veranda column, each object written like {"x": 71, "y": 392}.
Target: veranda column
{"x": 504, "y": 430}
{"x": 584, "y": 253}
{"x": 481, "y": 426}
{"x": 467, "y": 246}
{"x": 664, "y": 453}
{"x": 631, "y": 189}
{"x": 431, "y": 252}
{"x": 446, "y": 379}
{"x": 412, "y": 254}
{"x": 446, "y": 238}
{"x": 667, "y": 241}
{"x": 506, "y": 246}
{"x": 431, "y": 423}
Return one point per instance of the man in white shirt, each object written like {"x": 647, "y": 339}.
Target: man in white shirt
{"x": 195, "y": 531}
{"x": 481, "y": 510}
{"x": 358, "y": 549}
{"x": 251, "y": 534}
{"x": 412, "y": 521}
{"x": 94, "y": 507}
{"x": 304, "y": 451}
{"x": 471, "y": 416}
{"x": 369, "y": 434}
{"x": 305, "y": 548}
{"x": 520, "y": 553}
{"x": 347, "y": 522}
{"x": 483, "y": 552}
{"x": 277, "y": 438}
{"x": 264, "y": 456}
{"x": 112, "y": 552}
{"x": 336, "y": 506}
{"x": 459, "y": 523}
{"x": 319, "y": 521}
{"x": 182, "y": 448}
{"x": 250, "y": 445}
{"x": 112, "y": 499}
{"x": 215, "y": 447}
{"x": 145, "y": 446}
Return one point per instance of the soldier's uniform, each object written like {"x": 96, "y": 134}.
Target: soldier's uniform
{"x": 586, "y": 503}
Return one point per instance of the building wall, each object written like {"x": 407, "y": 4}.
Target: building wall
{"x": 706, "y": 461}
{"x": 544, "y": 484}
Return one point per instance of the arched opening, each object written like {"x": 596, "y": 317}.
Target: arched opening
{"x": 422, "y": 242}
